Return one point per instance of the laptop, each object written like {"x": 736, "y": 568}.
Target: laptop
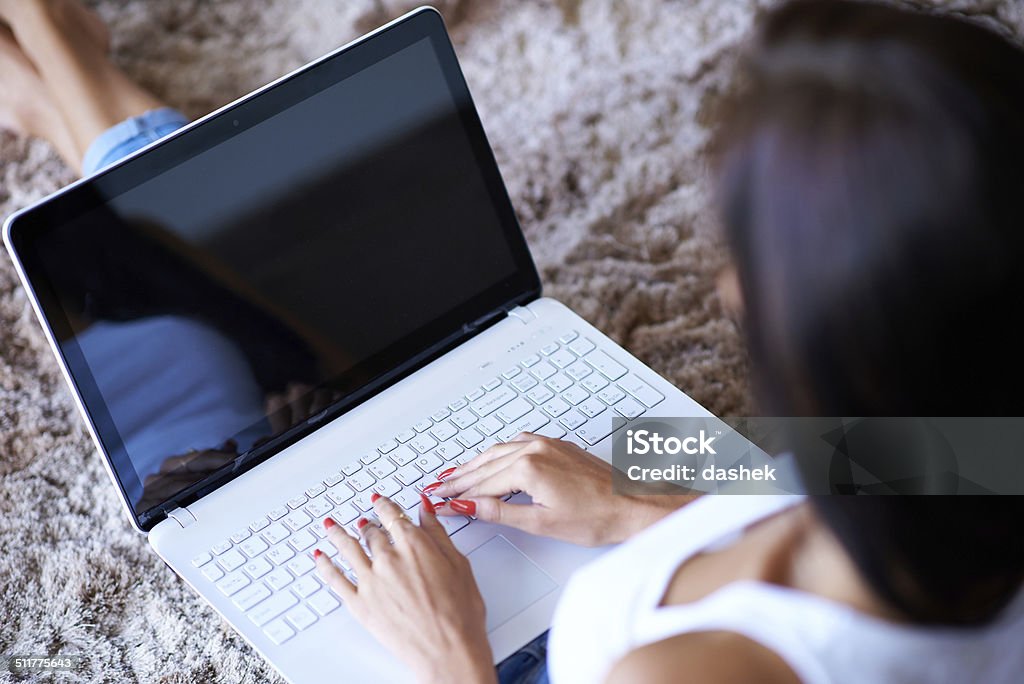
{"x": 315, "y": 293}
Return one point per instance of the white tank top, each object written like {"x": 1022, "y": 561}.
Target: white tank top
{"x": 610, "y": 608}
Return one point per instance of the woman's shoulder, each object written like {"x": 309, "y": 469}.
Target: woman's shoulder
{"x": 718, "y": 656}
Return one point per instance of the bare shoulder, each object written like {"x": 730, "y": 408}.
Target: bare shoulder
{"x": 702, "y": 657}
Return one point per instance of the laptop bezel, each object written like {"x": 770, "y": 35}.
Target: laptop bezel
{"x": 464, "y": 321}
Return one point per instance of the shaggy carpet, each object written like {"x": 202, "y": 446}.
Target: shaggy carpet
{"x": 598, "y": 111}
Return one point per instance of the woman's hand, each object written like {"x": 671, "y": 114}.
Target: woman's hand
{"x": 571, "y": 490}
{"x": 416, "y": 594}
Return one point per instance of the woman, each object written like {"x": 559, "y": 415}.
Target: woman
{"x": 870, "y": 183}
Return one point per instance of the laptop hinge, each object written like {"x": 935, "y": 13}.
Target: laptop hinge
{"x": 524, "y": 314}
{"x": 182, "y": 516}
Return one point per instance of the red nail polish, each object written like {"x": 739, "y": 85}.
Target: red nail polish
{"x": 431, "y": 487}
{"x": 329, "y": 523}
{"x": 317, "y": 553}
{"x": 363, "y": 522}
{"x": 445, "y": 473}
{"x": 464, "y": 506}
{"x": 374, "y": 497}
{"x": 439, "y": 504}
{"x": 427, "y": 506}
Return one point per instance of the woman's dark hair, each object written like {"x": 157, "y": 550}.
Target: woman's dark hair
{"x": 872, "y": 185}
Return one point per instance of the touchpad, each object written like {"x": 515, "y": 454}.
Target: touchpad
{"x": 509, "y": 581}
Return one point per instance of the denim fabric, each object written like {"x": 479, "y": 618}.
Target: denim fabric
{"x": 528, "y": 665}
{"x": 129, "y": 136}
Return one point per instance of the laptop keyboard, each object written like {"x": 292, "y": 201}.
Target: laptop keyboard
{"x": 563, "y": 392}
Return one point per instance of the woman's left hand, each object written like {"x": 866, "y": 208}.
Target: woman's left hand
{"x": 416, "y": 594}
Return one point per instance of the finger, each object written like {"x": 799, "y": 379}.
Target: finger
{"x": 488, "y": 455}
{"x": 429, "y": 524}
{"x": 459, "y": 486}
{"x": 348, "y": 547}
{"x": 392, "y": 518}
{"x": 375, "y": 537}
{"x": 335, "y": 579}
{"x": 525, "y": 517}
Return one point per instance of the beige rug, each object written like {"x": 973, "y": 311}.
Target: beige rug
{"x": 598, "y": 112}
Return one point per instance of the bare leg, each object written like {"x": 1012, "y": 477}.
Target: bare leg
{"x": 60, "y": 37}
{"x": 26, "y": 106}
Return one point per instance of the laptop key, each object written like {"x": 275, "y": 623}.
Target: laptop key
{"x": 514, "y": 410}
{"x": 641, "y": 391}
{"x": 423, "y": 425}
{"x": 476, "y": 394}
{"x": 241, "y": 535}
{"x": 315, "y": 491}
{"x": 278, "y": 632}
{"x": 382, "y": 469}
{"x": 334, "y": 479}
{"x": 444, "y": 432}
{"x": 568, "y": 337}
{"x": 297, "y": 520}
{"x": 593, "y": 431}
{"x": 352, "y": 468}
{"x": 233, "y": 583}
{"x": 212, "y": 572}
{"x": 405, "y": 435}
{"x": 553, "y": 430}
{"x": 257, "y": 568}
{"x": 300, "y": 565}
{"x": 278, "y": 579}
{"x": 549, "y": 349}
{"x": 340, "y": 494}
{"x": 280, "y": 554}
{"x": 306, "y": 586}
{"x": 543, "y": 370}
{"x": 272, "y": 607}
{"x": 362, "y": 480}
{"x": 221, "y": 547}
{"x": 629, "y": 408}
{"x": 532, "y": 421}
{"x": 458, "y": 405}
{"x": 386, "y": 487}
{"x": 573, "y": 419}
{"x": 562, "y": 358}
{"x": 559, "y": 383}
{"x": 611, "y": 395}
{"x": 489, "y": 425}
{"x": 463, "y": 419}
{"x": 582, "y": 346}
{"x": 302, "y": 540}
{"x": 297, "y": 501}
{"x": 538, "y": 395}
{"x": 387, "y": 446}
{"x": 318, "y": 507}
{"x": 408, "y": 498}
{"x": 323, "y": 602}
{"x": 575, "y": 395}
{"x": 403, "y": 455}
{"x": 594, "y": 383}
{"x": 469, "y": 438}
{"x": 591, "y": 407}
{"x": 201, "y": 560}
{"x": 231, "y": 560}
{"x": 555, "y": 408}
{"x": 449, "y": 450}
{"x": 275, "y": 533}
{"x": 278, "y": 513}
{"x": 424, "y": 443}
{"x": 606, "y": 365}
{"x": 408, "y": 475}
{"x": 368, "y": 458}
{"x": 300, "y": 617}
{"x": 428, "y": 463}
{"x": 492, "y": 384}
{"x": 253, "y": 547}
{"x": 250, "y": 596}
{"x": 259, "y": 523}
{"x": 452, "y": 523}
{"x": 531, "y": 360}
{"x": 578, "y": 370}
{"x": 524, "y": 382}
{"x": 440, "y": 415}
{"x": 492, "y": 401}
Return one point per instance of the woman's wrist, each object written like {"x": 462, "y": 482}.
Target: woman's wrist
{"x": 469, "y": 664}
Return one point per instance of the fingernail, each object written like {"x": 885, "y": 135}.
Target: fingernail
{"x": 464, "y": 506}
{"x": 363, "y": 522}
{"x": 374, "y": 497}
{"x": 431, "y": 487}
{"x": 439, "y": 504}
{"x": 445, "y": 473}
{"x": 329, "y": 523}
{"x": 317, "y": 553}
{"x": 427, "y": 506}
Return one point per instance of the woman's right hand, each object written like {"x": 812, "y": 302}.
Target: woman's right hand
{"x": 571, "y": 491}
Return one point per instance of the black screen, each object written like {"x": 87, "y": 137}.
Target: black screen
{"x": 311, "y": 241}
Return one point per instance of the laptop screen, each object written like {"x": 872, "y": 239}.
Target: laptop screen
{"x": 276, "y": 260}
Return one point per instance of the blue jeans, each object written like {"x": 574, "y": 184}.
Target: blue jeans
{"x": 528, "y": 665}
{"x": 130, "y": 136}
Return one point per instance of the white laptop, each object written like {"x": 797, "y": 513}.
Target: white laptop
{"x": 316, "y": 293}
